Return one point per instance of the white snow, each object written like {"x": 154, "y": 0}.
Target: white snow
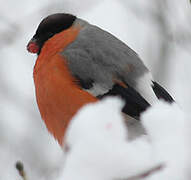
{"x": 98, "y": 146}
{"x": 168, "y": 129}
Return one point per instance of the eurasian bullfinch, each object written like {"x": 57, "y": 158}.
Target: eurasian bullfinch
{"x": 79, "y": 63}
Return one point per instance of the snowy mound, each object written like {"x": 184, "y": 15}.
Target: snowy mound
{"x": 97, "y": 145}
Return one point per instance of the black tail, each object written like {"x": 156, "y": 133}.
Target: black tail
{"x": 161, "y": 93}
{"x": 134, "y": 102}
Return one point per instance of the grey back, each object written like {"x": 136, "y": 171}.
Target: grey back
{"x": 101, "y": 57}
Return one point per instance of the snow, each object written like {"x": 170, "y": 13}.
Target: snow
{"x": 168, "y": 128}
{"x": 98, "y": 147}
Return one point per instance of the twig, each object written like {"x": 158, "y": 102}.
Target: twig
{"x": 19, "y": 166}
{"x": 147, "y": 173}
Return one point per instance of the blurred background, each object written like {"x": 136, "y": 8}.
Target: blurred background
{"x": 159, "y": 31}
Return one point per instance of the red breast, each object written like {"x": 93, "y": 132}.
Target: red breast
{"x": 58, "y": 96}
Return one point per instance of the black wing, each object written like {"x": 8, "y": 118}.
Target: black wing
{"x": 135, "y": 104}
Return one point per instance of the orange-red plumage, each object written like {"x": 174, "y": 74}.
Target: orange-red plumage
{"x": 58, "y": 96}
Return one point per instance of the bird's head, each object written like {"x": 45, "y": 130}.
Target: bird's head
{"x": 47, "y": 28}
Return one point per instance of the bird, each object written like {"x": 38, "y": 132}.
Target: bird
{"x": 79, "y": 63}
